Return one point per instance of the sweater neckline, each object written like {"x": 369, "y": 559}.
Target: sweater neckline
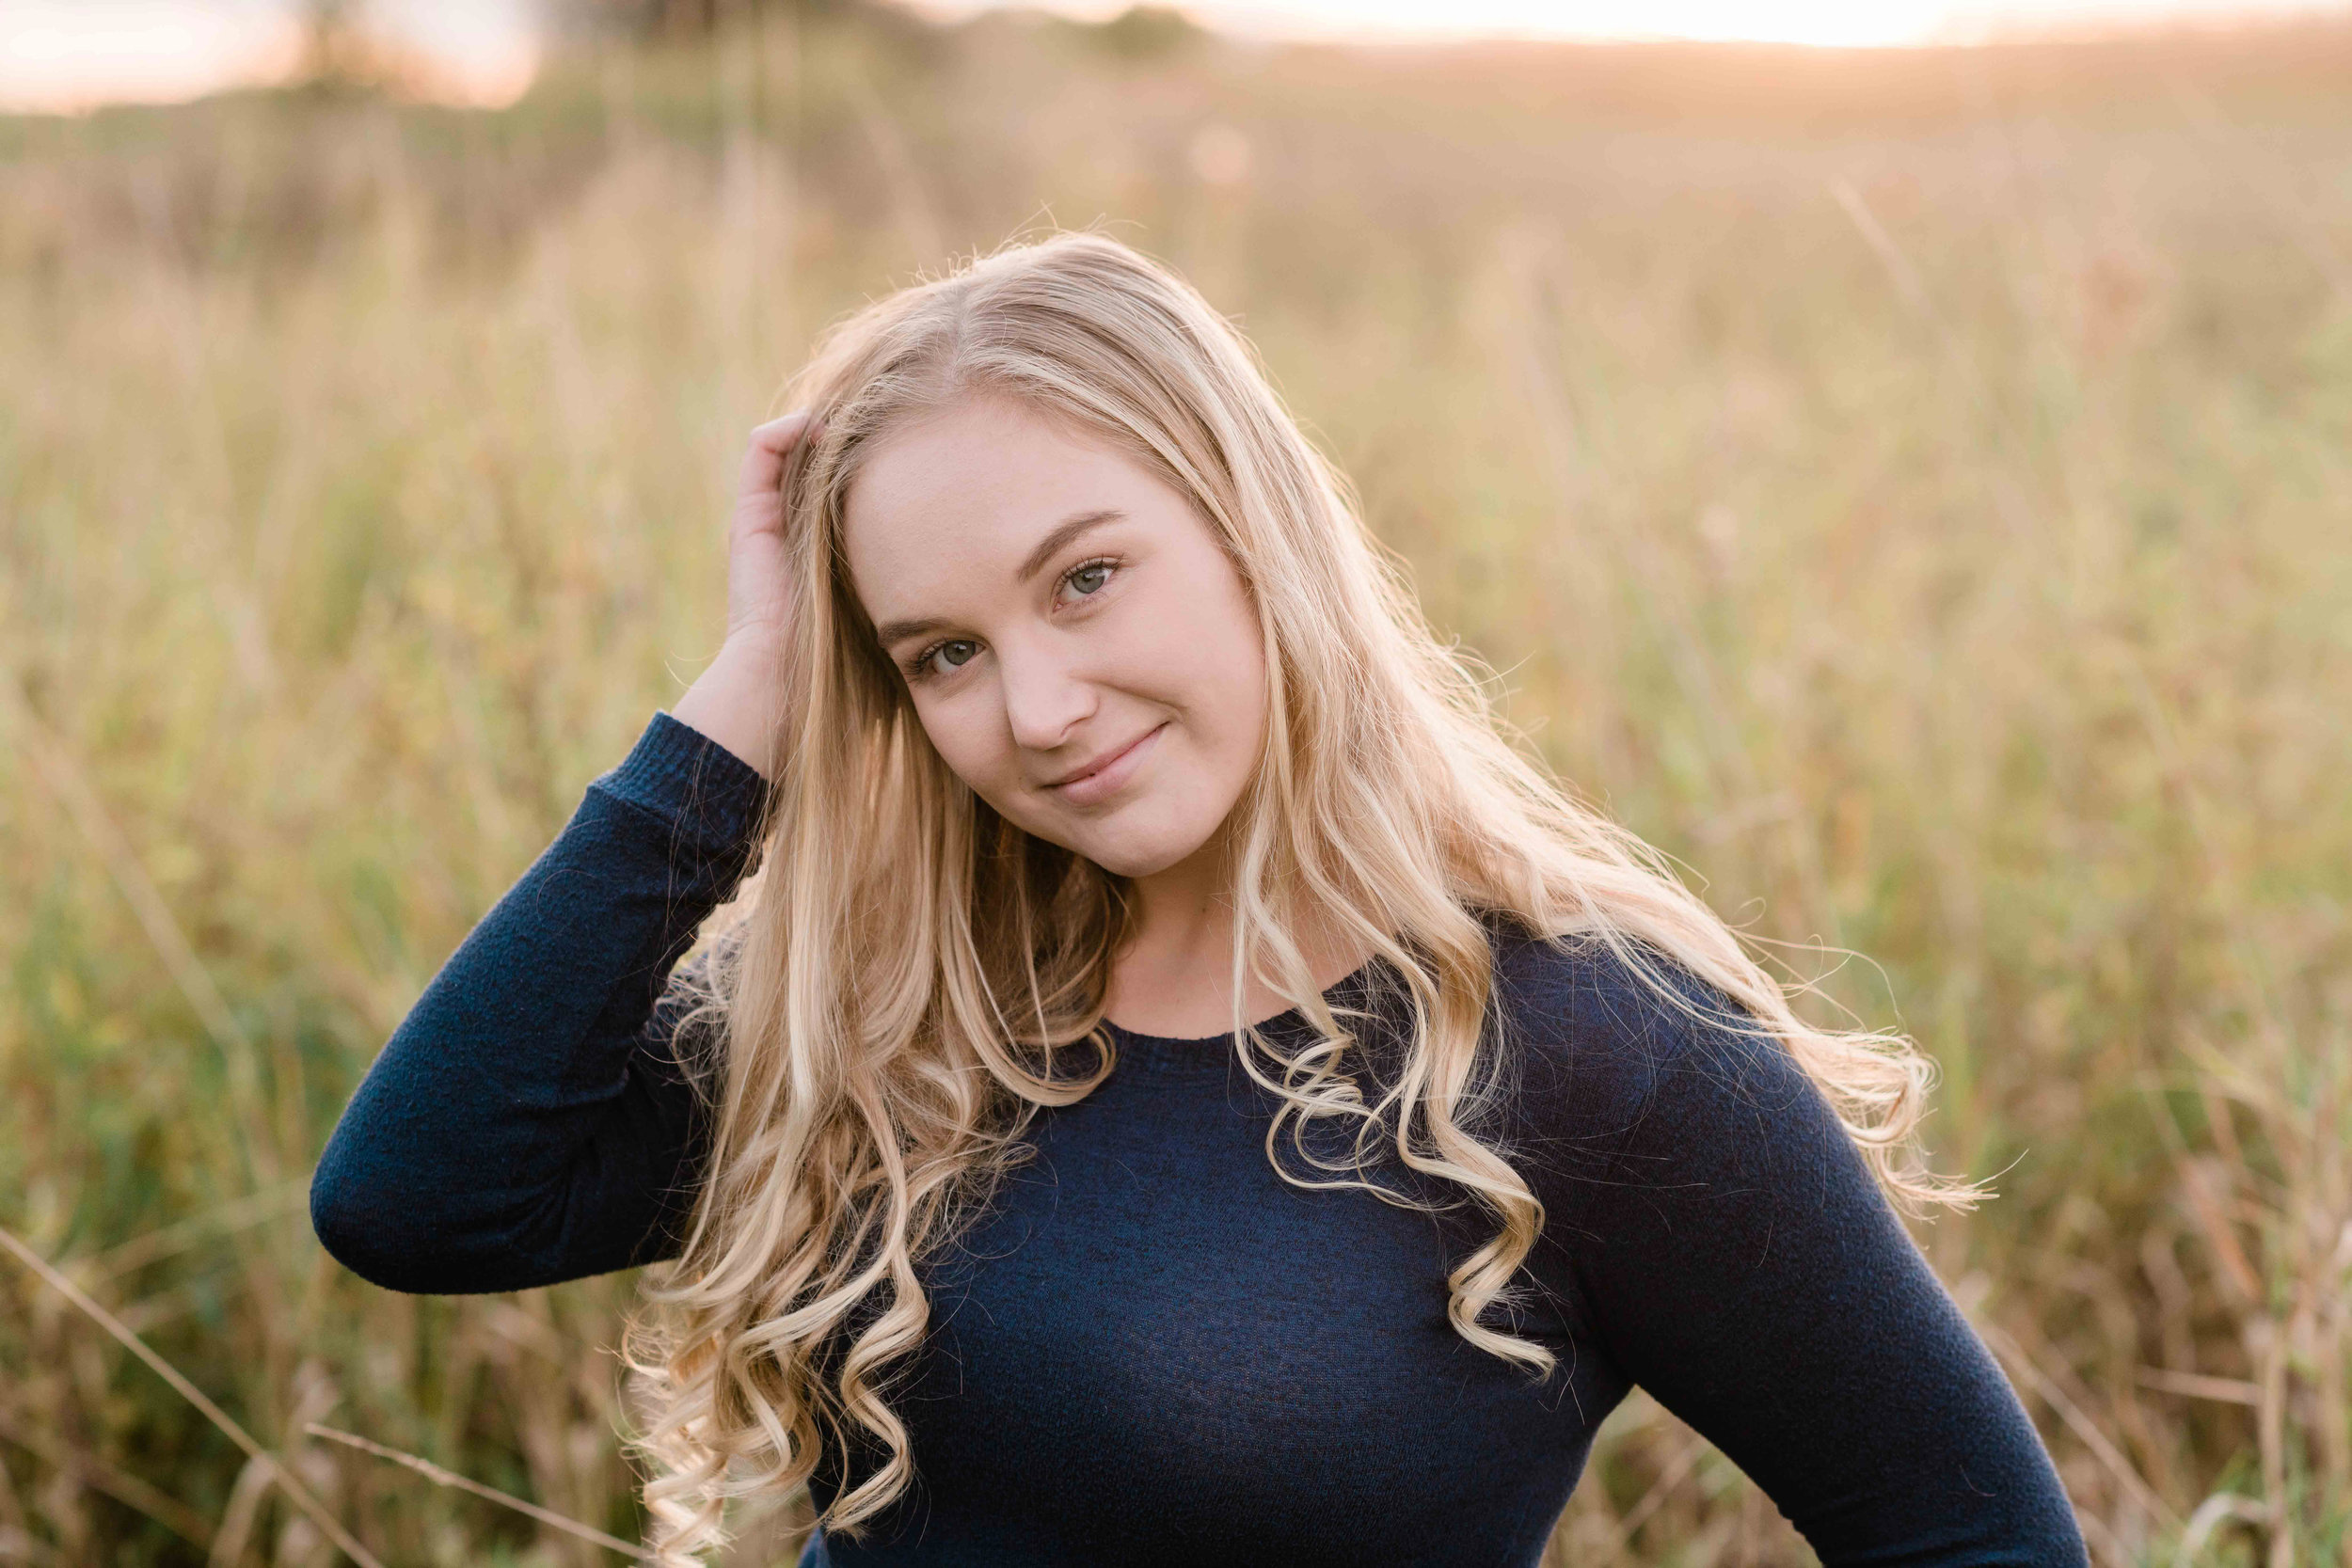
{"x": 1181, "y": 1051}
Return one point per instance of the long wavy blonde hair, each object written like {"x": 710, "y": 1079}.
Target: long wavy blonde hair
{"x": 916, "y": 977}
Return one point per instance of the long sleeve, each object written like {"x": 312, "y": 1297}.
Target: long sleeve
{"x": 1737, "y": 1260}
{"x": 529, "y": 1121}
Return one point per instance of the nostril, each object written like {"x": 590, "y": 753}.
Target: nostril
{"x": 1045, "y": 710}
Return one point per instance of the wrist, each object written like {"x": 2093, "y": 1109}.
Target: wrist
{"x": 761, "y": 646}
{"x": 734, "y": 701}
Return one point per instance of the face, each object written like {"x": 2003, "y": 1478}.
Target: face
{"x": 1079, "y": 647}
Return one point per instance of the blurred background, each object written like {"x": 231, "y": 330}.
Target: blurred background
{"x": 1895, "y": 455}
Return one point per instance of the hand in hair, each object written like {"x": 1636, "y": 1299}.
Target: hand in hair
{"x": 736, "y": 701}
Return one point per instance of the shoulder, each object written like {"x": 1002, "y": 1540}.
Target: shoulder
{"x": 1663, "y": 1136}
{"x": 1599, "y": 1052}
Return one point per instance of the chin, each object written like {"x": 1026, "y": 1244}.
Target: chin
{"x": 1132, "y": 864}
{"x": 1144, "y": 850}
{"x": 1121, "y": 858}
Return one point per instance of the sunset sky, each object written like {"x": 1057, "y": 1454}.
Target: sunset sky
{"x": 67, "y": 54}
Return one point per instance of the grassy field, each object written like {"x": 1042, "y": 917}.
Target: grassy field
{"x": 1917, "y": 492}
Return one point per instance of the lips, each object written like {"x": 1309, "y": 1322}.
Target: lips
{"x": 1104, "y": 775}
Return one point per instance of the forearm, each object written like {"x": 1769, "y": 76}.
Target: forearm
{"x": 526, "y": 1121}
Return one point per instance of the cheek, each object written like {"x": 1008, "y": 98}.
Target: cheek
{"x": 1207, "y": 661}
{"x": 1233, "y": 684}
{"x": 967, "y": 743}
{"x": 1229, "y": 655}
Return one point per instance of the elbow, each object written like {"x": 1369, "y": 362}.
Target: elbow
{"x": 384, "y": 1227}
{"x": 356, "y": 1231}
{"x": 378, "y": 1231}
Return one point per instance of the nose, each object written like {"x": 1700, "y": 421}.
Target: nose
{"x": 1045, "y": 699}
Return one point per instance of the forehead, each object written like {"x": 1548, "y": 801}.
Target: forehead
{"x": 956, "y": 500}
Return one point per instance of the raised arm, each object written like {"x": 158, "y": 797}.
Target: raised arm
{"x": 529, "y": 1120}
{"x": 1740, "y": 1264}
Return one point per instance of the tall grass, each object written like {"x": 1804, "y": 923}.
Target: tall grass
{"x": 1921, "y": 502}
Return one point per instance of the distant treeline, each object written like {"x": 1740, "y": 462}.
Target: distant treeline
{"x": 2169, "y": 66}
{"x": 1140, "y": 30}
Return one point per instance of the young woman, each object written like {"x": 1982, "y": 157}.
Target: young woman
{"x": 1187, "y": 1088}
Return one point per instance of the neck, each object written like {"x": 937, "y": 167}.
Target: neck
{"x": 1183, "y": 916}
{"x": 1174, "y": 976}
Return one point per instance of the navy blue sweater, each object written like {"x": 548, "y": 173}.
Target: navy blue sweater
{"x": 1149, "y": 1348}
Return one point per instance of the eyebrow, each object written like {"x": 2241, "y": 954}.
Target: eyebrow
{"x": 1070, "y": 528}
{"x": 1052, "y": 544}
{"x": 899, "y": 631}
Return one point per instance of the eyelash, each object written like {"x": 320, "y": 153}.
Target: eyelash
{"x": 919, "y": 667}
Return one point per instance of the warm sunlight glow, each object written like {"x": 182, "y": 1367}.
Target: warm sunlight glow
{"x": 64, "y": 55}
{"x": 67, "y": 54}
{"x": 71, "y": 54}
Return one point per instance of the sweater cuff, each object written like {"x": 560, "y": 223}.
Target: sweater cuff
{"x": 681, "y": 775}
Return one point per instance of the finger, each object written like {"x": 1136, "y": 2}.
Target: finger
{"x": 779, "y": 433}
{"x": 772, "y": 444}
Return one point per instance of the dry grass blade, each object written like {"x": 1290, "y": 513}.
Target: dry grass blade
{"x": 54, "y": 765}
{"x": 59, "y": 771}
{"x": 1677, "y": 1470}
{"x": 2198, "y": 1386}
{"x": 2211, "y": 1514}
{"x": 441, "y": 1476}
{"x": 288, "y": 1482}
{"x": 139, "y": 1251}
{"x": 2072, "y": 1415}
{"x": 1899, "y": 266}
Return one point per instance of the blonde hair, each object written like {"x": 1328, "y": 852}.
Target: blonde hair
{"x": 916, "y": 976}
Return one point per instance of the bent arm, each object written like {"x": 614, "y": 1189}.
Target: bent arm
{"x": 529, "y": 1121}
{"x": 1741, "y": 1265}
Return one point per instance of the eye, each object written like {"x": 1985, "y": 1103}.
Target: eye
{"x": 952, "y": 654}
{"x": 1090, "y": 578}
